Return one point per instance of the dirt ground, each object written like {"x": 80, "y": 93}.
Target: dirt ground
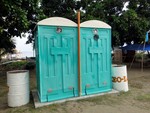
{"x": 136, "y": 100}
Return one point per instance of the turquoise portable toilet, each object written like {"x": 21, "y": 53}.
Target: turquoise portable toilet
{"x": 56, "y": 59}
{"x": 95, "y": 57}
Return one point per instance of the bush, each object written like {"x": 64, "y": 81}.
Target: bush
{"x": 33, "y": 58}
{"x": 15, "y": 65}
{"x": 140, "y": 55}
{"x": 19, "y": 65}
{"x": 30, "y": 65}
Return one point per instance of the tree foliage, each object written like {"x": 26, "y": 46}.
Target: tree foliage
{"x": 137, "y": 18}
{"x": 20, "y": 16}
{"x": 107, "y": 11}
{"x": 61, "y": 8}
{"x": 132, "y": 27}
{"x": 127, "y": 26}
{"x": 16, "y": 17}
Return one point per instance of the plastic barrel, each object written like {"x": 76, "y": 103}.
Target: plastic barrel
{"x": 119, "y": 78}
{"x": 18, "y": 83}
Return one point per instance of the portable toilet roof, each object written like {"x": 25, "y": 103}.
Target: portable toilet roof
{"x": 57, "y": 21}
{"x": 95, "y": 24}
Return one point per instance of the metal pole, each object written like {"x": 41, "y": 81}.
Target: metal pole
{"x": 79, "y": 71}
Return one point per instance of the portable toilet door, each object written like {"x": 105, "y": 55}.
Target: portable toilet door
{"x": 56, "y": 51}
{"x": 95, "y": 57}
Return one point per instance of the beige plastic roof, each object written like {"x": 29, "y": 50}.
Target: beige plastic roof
{"x": 57, "y": 21}
{"x": 95, "y": 24}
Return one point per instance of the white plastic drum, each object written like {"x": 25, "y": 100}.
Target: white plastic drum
{"x": 119, "y": 78}
{"x": 18, "y": 83}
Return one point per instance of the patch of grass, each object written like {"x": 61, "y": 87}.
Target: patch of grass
{"x": 17, "y": 110}
{"x": 110, "y": 99}
{"x": 144, "y": 97}
{"x": 29, "y": 108}
{"x": 49, "y": 108}
{"x": 64, "y": 108}
{"x": 137, "y": 85}
{"x": 3, "y": 81}
{"x": 3, "y": 86}
{"x": 2, "y": 73}
{"x": 3, "y": 93}
{"x": 124, "y": 94}
{"x": 54, "y": 107}
{"x": 103, "y": 99}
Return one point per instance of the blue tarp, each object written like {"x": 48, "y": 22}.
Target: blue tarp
{"x": 137, "y": 47}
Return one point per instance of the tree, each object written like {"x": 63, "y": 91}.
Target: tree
{"x": 62, "y": 8}
{"x": 135, "y": 22}
{"x": 105, "y": 10}
{"x": 127, "y": 26}
{"x": 132, "y": 27}
{"x": 16, "y": 17}
{"x": 7, "y": 45}
{"x": 21, "y": 16}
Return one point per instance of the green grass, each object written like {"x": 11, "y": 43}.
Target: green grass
{"x": 29, "y": 108}
{"x": 3, "y": 92}
{"x": 108, "y": 99}
{"x": 124, "y": 94}
{"x": 136, "y": 85}
{"x": 144, "y": 97}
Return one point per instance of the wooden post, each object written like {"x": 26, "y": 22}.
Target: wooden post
{"x": 134, "y": 58}
{"x": 79, "y": 71}
{"x": 142, "y": 63}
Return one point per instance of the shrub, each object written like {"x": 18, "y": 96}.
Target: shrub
{"x": 140, "y": 55}
{"x": 15, "y": 65}
{"x": 19, "y": 65}
{"x": 30, "y": 65}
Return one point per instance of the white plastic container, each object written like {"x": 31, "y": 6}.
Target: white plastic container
{"x": 119, "y": 78}
{"x": 18, "y": 83}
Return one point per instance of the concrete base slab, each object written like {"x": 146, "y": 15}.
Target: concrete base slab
{"x": 37, "y": 102}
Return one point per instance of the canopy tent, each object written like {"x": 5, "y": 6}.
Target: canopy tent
{"x": 141, "y": 47}
{"x": 135, "y": 47}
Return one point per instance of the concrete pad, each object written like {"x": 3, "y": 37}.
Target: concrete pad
{"x": 37, "y": 102}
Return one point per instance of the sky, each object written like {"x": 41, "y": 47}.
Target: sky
{"x": 21, "y": 46}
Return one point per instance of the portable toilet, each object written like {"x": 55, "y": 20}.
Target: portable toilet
{"x": 56, "y": 59}
{"x": 95, "y": 57}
